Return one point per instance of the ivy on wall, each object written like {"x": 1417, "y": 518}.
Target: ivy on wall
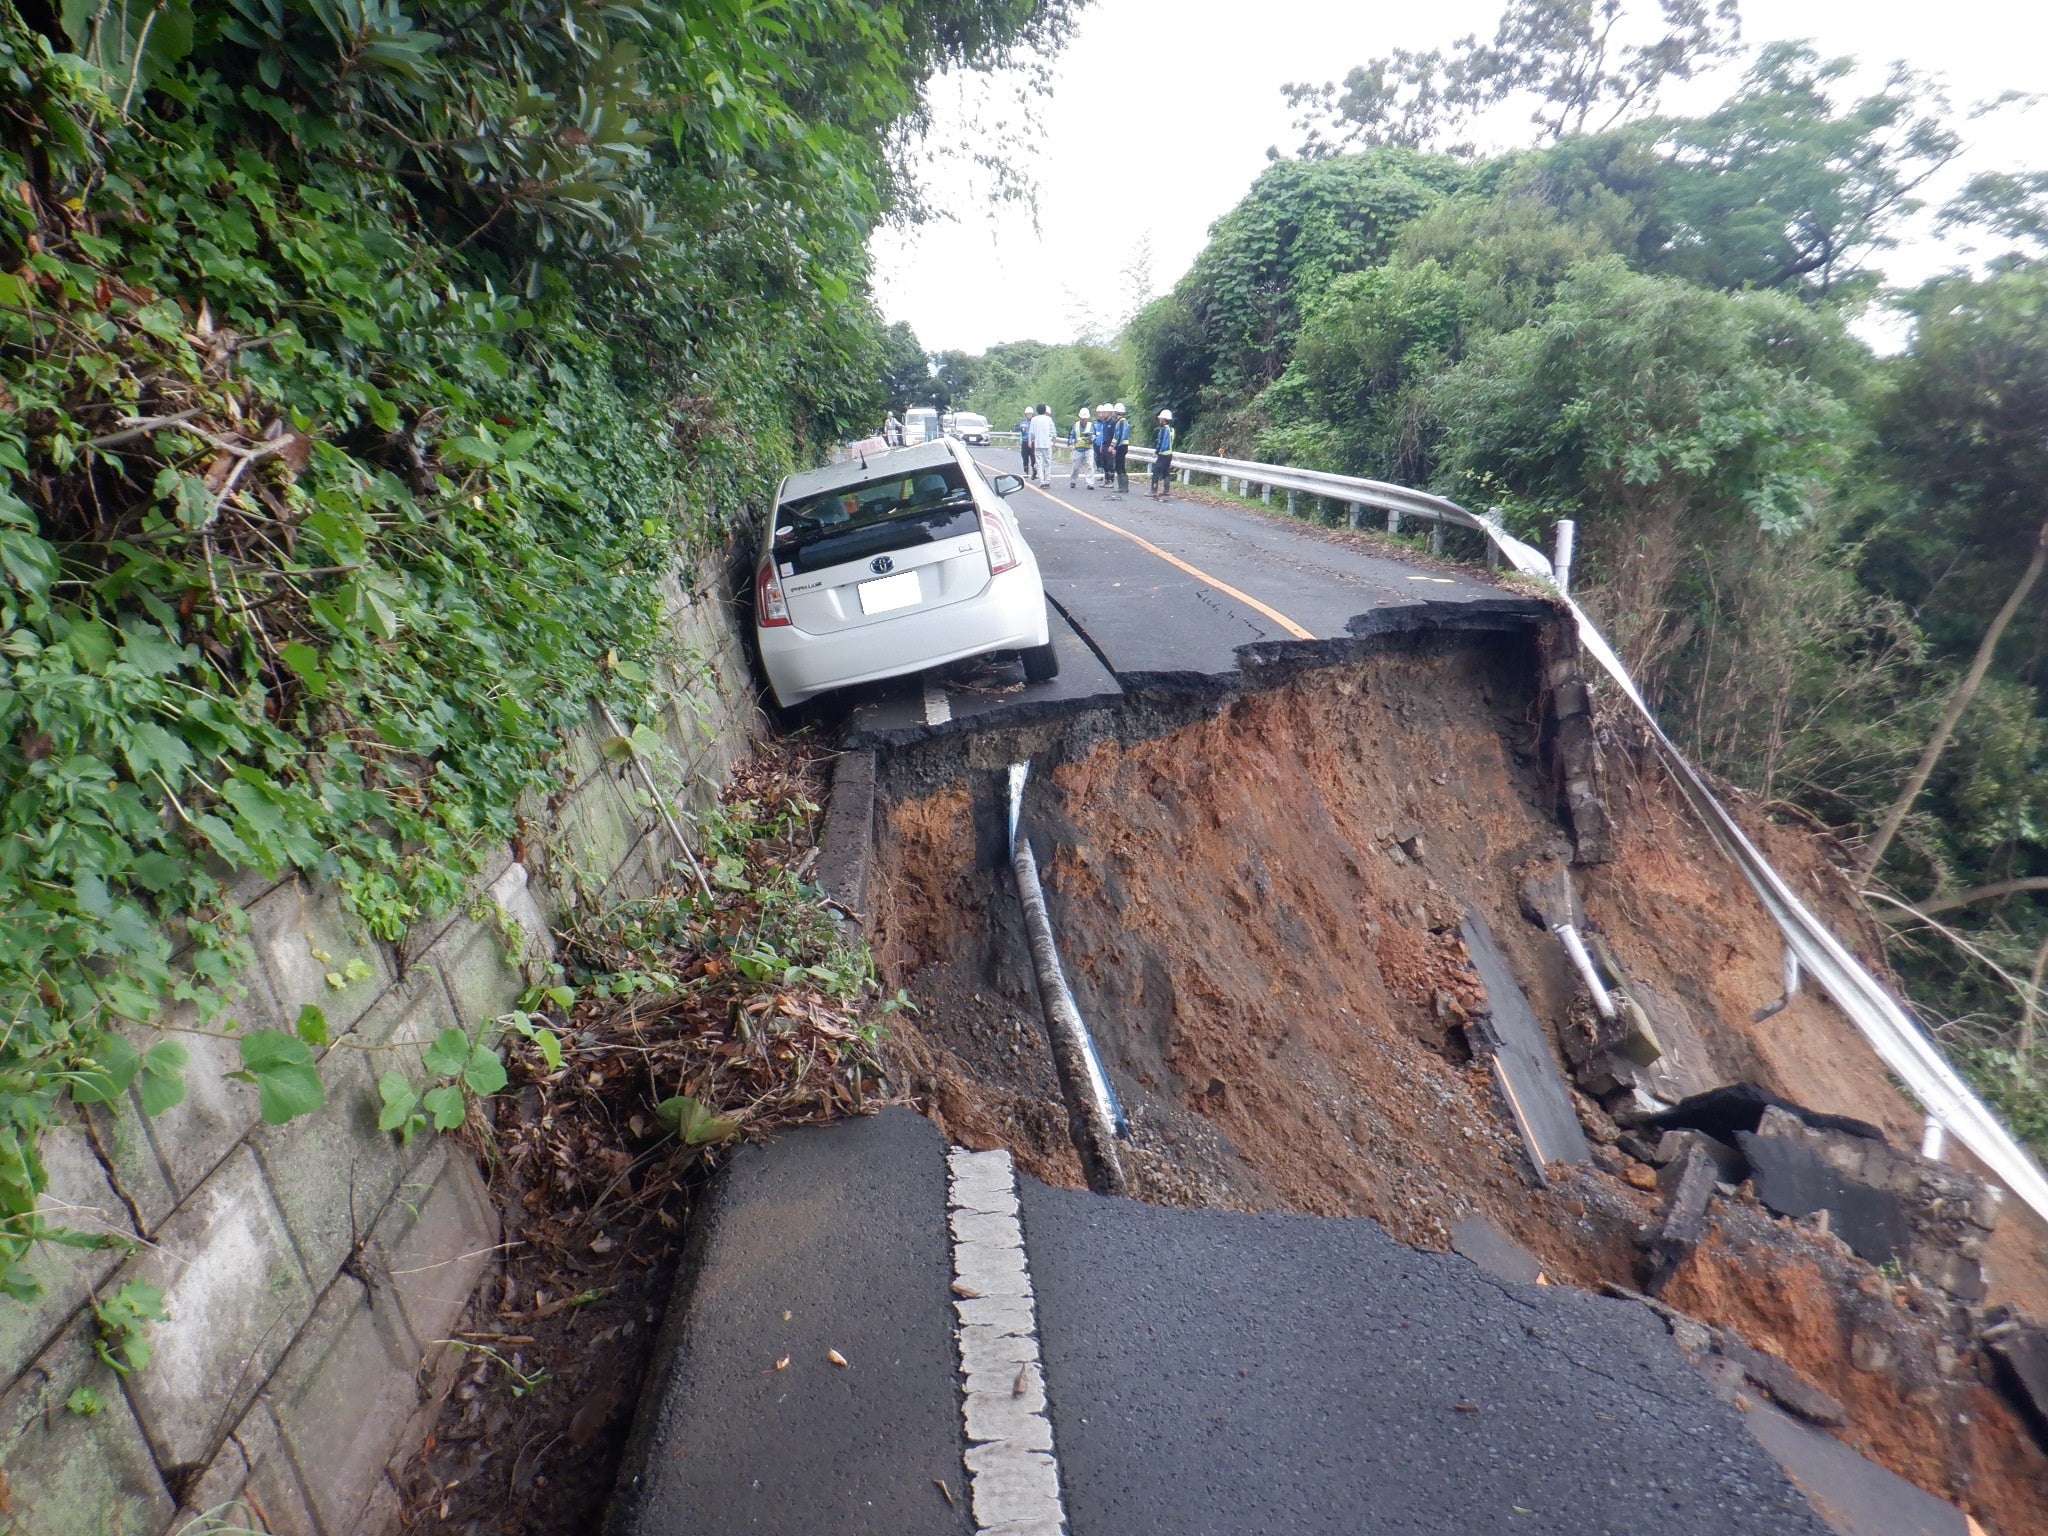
{"x": 362, "y": 368}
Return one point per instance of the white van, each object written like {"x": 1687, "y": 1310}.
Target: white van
{"x": 920, "y": 425}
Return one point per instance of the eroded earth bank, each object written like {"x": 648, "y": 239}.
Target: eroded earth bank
{"x": 1260, "y": 899}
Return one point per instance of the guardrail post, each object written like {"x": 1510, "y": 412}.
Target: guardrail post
{"x": 1567, "y": 538}
{"x": 1266, "y": 494}
{"x": 1436, "y": 537}
{"x": 1393, "y": 519}
{"x": 1290, "y": 504}
{"x": 1354, "y": 514}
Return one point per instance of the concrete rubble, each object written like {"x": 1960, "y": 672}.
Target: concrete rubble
{"x": 2018, "y": 1346}
{"x": 1731, "y": 1363}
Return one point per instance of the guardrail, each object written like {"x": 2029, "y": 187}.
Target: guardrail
{"x": 1952, "y": 1108}
{"x": 1399, "y": 503}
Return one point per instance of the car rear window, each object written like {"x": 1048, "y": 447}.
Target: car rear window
{"x": 859, "y": 522}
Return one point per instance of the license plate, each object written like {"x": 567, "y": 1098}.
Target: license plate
{"x": 890, "y": 593}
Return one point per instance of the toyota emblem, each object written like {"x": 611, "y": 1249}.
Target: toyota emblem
{"x": 881, "y": 565}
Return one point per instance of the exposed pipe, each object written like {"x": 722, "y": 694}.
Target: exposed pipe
{"x": 1567, "y": 542}
{"x": 1783, "y": 999}
{"x": 661, "y": 805}
{"x": 1933, "y": 1140}
{"x": 1096, "y": 1117}
{"x": 1576, "y": 948}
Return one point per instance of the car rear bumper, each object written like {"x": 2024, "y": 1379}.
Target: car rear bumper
{"x": 1009, "y": 615}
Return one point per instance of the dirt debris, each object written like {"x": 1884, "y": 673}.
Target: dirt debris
{"x": 1258, "y": 906}
{"x": 595, "y": 1181}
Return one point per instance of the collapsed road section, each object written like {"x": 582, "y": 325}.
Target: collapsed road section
{"x": 1317, "y": 918}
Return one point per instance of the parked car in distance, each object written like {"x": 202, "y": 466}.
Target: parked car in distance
{"x": 890, "y": 564}
{"x": 920, "y": 425}
{"x": 968, "y": 426}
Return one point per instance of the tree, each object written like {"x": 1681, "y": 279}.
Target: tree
{"x": 954, "y": 375}
{"x": 2007, "y": 205}
{"x": 1663, "y": 417}
{"x": 1965, "y": 438}
{"x": 1782, "y": 188}
{"x": 906, "y": 371}
{"x": 1566, "y": 56}
{"x": 1959, "y": 701}
{"x": 1229, "y": 325}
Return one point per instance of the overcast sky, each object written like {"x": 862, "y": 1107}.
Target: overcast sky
{"x": 1179, "y": 99}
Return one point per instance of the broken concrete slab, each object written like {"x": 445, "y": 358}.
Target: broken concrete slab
{"x": 1494, "y": 1251}
{"x": 1673, "y": 1146}
{"x": 2018, "y": 1346}
{"x": 1793, "y": 1179}
{"x": 1786, "y": 1386}
{"x": 849, "y": 837}
{"x": 1851, "y": 1492}
{"x": 1689, "y": 1185}
{"x": 1960, "y": 1274}
{"x": 1529, "y": 1074}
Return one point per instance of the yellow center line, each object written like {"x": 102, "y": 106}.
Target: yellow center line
{"x": 1224, "y": 587}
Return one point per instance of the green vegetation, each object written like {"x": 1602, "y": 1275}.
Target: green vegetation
{"x": 362, "y": 365}
{"x": 1645, "y": 324}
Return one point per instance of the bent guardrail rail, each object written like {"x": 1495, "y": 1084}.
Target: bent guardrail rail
{"x": 1901, "y": 1044}
{"x": 1897, "y": 1038}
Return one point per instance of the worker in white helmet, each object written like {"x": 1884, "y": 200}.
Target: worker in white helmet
{"x": 1081, "y": 438}
{"x": 1162, "y": 457}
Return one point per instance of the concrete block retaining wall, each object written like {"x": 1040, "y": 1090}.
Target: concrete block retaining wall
{"x": 312, "y": 1270}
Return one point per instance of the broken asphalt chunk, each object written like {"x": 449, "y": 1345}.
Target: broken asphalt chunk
{"x": 1785, "y": 1386}
{"x": 1792, "y": 1178}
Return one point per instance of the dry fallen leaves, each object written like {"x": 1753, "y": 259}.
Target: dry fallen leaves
{"x": 835, "y": 1357}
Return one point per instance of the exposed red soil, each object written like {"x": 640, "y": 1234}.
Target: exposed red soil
{"x": 1259, "y": 913}
{"x": 1863, "y": 1339}
{"x": 1682, "y": 917}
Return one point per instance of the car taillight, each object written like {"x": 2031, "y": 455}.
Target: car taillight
{"x": 771, "y": 608}
{"x": 1001, "y": 556}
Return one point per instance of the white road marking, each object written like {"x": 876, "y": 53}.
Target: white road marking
{"x": 938, "y": 709}
{"x": 1010, "y": 1462}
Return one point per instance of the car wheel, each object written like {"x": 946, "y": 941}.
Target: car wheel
{"x": 1041, "y": 663}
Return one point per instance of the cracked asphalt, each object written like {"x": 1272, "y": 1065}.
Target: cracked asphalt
{"x": 1214, "y": 1372}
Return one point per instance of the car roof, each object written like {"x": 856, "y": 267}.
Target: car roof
{"x": 859, "y": 471}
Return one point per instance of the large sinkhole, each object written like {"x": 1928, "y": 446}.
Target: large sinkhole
{"x": 1259, "y": 899}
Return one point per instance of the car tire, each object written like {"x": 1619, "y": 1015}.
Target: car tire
{"x": 1041, "y": 663}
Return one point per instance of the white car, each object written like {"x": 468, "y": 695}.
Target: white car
{"x": 968, "y": 426}
{"x": 890, "y": 564}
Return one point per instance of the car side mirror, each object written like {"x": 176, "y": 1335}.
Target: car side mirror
{"x": 1006, "y": 485}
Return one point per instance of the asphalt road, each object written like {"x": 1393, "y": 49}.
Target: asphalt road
{"x": 1179, "y": 595}
{"x": 832, "y": 1241}
{"x": 1217, "y": 1374}
{"x": 1204, "y": 1371}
